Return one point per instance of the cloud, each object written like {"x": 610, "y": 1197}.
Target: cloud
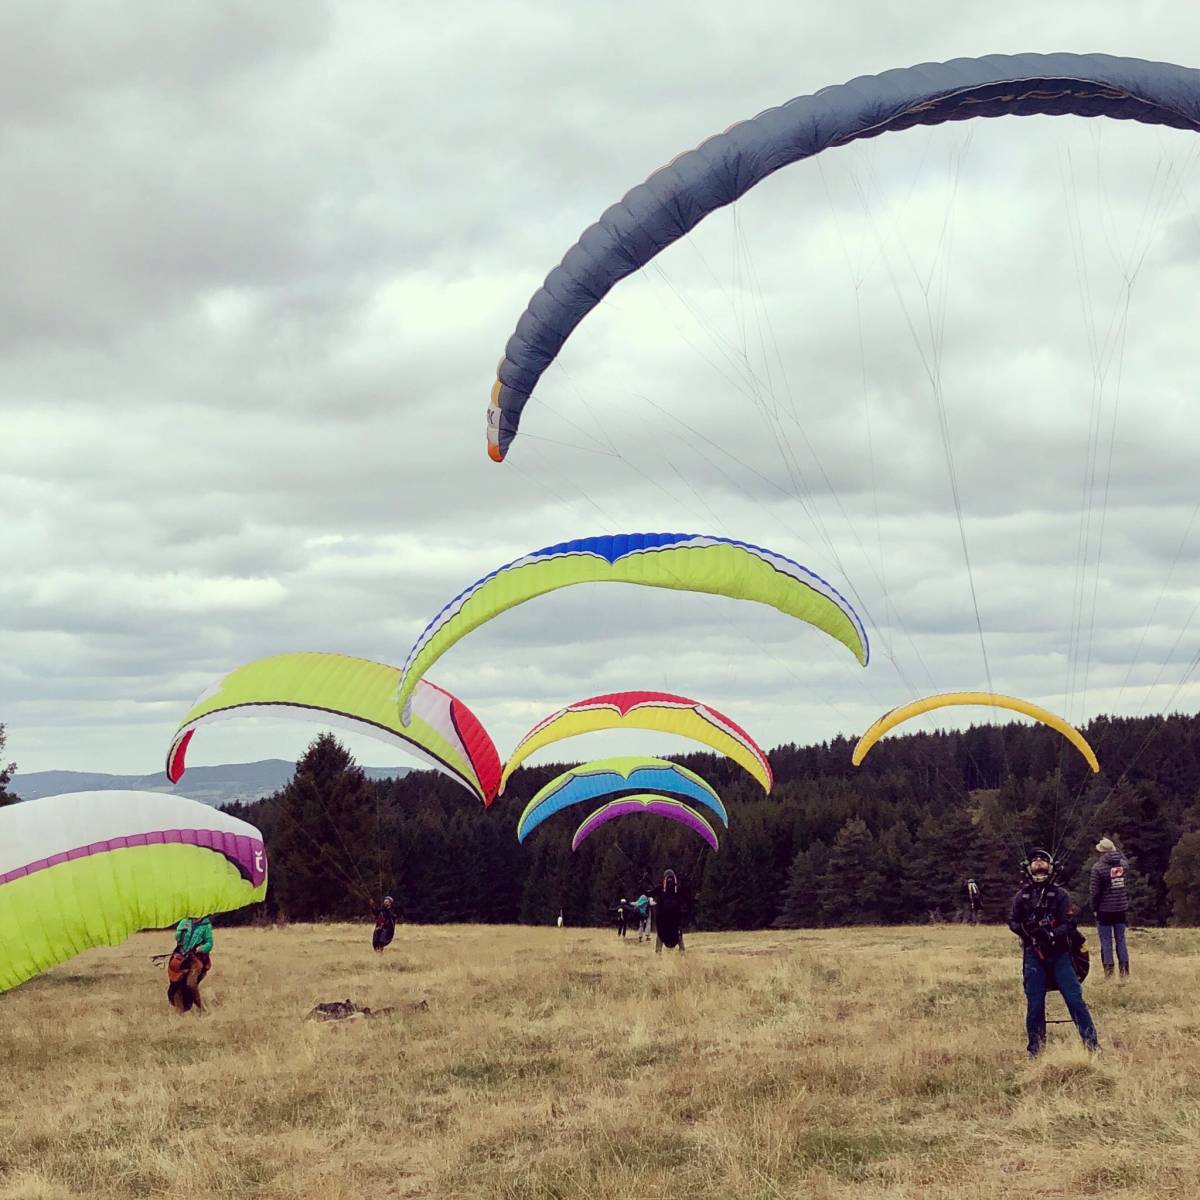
{"x": 261, "y": 264}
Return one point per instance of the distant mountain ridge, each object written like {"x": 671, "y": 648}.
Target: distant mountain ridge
{"x": 212, "y": 785}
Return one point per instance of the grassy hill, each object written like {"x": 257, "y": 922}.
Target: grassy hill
{"x": 865, "y": 1063}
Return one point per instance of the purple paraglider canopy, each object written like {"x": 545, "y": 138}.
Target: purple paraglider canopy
{"x": 660, "y": 806}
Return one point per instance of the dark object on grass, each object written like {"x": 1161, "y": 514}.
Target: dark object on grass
{"x": 343, "y": 1010}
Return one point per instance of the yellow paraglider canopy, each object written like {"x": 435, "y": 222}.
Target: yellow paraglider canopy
{"x": 915, "y": 708}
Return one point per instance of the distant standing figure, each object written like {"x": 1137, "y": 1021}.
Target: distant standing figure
{"x": 560, "y": 918}
{"x": 1110, "y": 904}
{"x": 974, "y": 900}
{"x": 642, "y": 904}
{"x": 385, "y": 925}
{"x": 622, "y": 917}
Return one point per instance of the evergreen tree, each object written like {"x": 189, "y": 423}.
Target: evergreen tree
{"x": 1183, "y": 879}
{"x": 801, "y": 906}
{"x": 328, "y": 859}
{"x": 6, "y": 774}
{"x": 1146, "y": 904}
{"x": 852, "y": 884}
{"x": 608, "y": 885}
{"x": 901, "y": 887}
{"x": 905, "y": 830}
{"x": 722, "y": 890}
{"x": 541, "y": 897}
{"x": 1142, "y": 824}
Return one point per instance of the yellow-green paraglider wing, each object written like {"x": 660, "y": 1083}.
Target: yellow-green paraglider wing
{"x": 91, "y": 868}
{"x": 906, "y": 712}
{"x": 351, "y": 693}
{"x": 682, "y": 561}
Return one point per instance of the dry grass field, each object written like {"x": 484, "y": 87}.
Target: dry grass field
{"x": 563, "y": 1063}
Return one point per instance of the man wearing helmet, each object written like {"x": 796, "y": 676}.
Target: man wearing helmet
{"x": 1041, "y": 918}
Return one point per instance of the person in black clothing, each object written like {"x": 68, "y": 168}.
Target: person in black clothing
{"x": 385, "y": 925}
{"x": 622, "y": 917}
{"x": 1110, "y": 904}
{"x": 670, "y": 913}
{"x": 1041, "y": 918}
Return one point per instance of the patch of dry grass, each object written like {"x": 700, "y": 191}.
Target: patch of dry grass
{"x": 555, "y": 1064}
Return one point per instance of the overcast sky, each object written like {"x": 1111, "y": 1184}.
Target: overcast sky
{"x": 261, "y": 261}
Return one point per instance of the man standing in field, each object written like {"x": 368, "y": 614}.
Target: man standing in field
{"x": 1041, "y": 918}
{"x": 1110, "y": 904}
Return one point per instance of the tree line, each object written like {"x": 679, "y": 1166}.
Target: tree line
{"x": 893, "y": 841}
{"x": 6, "y": 774}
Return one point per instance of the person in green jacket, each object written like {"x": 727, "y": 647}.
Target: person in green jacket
{"x": 642, "y": 904}
{"x": 194, "y": 934}
{"x": 190, "y": 961}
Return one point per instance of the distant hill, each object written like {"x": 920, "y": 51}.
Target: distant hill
{"x": 212, "y": 785}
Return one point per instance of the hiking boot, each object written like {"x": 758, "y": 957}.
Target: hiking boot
{"x": 1124, "y": 970}
{"x": 1108, "y": 970}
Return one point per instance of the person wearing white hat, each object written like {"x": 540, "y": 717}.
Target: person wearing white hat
{"x": 1110, "y": 904}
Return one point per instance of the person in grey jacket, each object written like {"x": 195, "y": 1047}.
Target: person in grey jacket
{"x": 1110, "y": 904}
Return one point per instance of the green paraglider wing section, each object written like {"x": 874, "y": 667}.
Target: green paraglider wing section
{"x": 680, "y": 561}
{"x": 91, "y": 868}
{"x": 354, "y": 694}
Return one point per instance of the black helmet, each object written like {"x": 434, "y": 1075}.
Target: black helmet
{"x": 1037, "y": 873}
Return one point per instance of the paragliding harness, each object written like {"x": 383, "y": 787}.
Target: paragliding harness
{"x": 1040, "y": 931}
{"x": 385, "y": 928}
{"x": 184, "y": 973}
{"x": 669, "y": 913}
{"x": 1043, "y": 934}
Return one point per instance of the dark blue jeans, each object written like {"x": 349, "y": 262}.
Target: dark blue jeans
{"x": 1035, "y": 971}
{"x": 1108, "y": 931}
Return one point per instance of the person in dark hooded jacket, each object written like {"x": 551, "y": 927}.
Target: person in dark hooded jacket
{"x": 670, "y": 913}
{"x": 385, "y": 925}
{"x": 1110, "y": 904}
{"x": 1041, "y": 918}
